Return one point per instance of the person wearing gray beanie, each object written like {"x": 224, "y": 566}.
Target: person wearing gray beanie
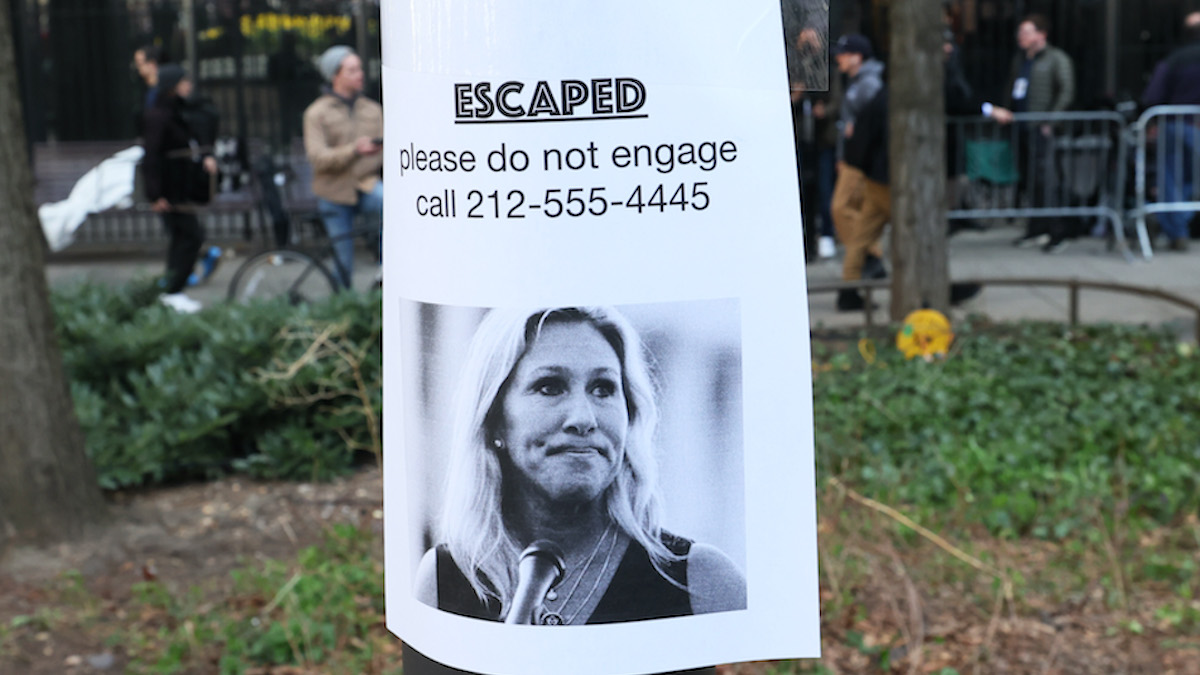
{"x": 330, "y": 61}
{"x": 343, "y": 139}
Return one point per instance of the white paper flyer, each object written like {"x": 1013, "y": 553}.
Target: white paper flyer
{"x": 598, "y": 392}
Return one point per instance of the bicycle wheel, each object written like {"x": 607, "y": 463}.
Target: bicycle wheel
{"x": 282, "y": 273}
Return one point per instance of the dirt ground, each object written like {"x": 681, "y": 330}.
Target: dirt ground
{"x": 186, "y": 536}
{"x": 194, "y": 535}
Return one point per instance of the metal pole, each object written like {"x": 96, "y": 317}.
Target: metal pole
{"x": 17, "y": 20}
{"x": 1073, "y": 303}
{"x": 869, "y": 308}
{"x": 360, "y": 19}
{"x": 189, "y": 39}
{"x": 239, "y": 72}
{"x": 1140, "y": 184}
{"x": 1112, "y": 18}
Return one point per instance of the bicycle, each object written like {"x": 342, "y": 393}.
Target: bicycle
{"x": 299, "y": 274}
{"x": 292, "y": 273}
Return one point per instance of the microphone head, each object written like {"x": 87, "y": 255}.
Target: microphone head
{"x": 545, "y": 551}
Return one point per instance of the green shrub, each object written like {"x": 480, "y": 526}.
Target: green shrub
{"x": 1029, "y": 430}
{"x": 163, "y": 396}
{"x": 1026, "y": 429}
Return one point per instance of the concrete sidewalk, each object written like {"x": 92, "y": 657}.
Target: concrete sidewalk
{"x": 989, "y": 254}
{"x": 972, "y": 255}
{"x": 117, "y": 269}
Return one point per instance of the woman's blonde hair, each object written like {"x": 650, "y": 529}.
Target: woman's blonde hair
{"x": 472, "y": 524}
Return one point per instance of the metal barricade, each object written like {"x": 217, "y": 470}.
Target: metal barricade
{"x": 1170, "y": 132}
{"x": 1065, "y": 165}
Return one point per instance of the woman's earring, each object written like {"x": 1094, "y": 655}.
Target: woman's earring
{"x": 497, "y": 443}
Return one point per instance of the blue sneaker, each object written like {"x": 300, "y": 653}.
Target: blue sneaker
{"x": 207, "y": 265}
{"x": 210, "y": 262}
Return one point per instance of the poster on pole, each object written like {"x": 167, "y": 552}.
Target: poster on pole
{"x": 598, "y": 441}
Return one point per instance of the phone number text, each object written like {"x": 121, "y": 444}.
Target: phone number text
{"x": 563, "y": 202}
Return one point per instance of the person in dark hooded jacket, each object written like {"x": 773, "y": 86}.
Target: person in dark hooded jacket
{"x": 855, "y": 59}
{"x": 868, "y": 152}
{"x": 171, "y": 175}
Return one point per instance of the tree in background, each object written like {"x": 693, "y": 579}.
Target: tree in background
{"x": 48, "y": 489}
{"x": 918, "y": 135}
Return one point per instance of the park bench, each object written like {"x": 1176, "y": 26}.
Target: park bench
{"x": 237, "y": 216}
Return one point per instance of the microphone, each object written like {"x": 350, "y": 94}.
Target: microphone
{"x": 539, "y": 569}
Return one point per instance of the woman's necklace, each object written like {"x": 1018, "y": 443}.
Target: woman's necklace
{"x": 599, "y": 577}
{"x": 549, "y": 618}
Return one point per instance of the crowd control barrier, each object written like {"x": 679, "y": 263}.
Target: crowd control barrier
{"x": 1167, "y": 163}
{"x": 1067, "y": 165}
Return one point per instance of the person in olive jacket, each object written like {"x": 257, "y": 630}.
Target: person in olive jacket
{"x": 343, "y": 138}
{"x": 1042, "y": 80}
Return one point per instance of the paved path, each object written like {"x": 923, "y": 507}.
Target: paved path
{"x": 990, "y": 255}
{"x": 972, "y": 254}
{"x": 113, "y": 269}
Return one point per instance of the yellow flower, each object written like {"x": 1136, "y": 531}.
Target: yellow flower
{"x": 926, "y": 333}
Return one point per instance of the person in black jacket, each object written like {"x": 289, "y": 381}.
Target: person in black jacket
{"x": 868, "y": 152}
{"x": 172, "y": 171}
{"x": 959, "y": 101}
{"x": 864, "y": 73}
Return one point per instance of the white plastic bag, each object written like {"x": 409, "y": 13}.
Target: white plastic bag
{"x": 107, "y": 185}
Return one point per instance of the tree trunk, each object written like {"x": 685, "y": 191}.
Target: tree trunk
{"x": 48, "y": 490}
{"x": 918, "y": 159}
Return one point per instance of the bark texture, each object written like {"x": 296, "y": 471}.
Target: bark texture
{"x": 48, "y": 489}
{"x": 918, "y": 160}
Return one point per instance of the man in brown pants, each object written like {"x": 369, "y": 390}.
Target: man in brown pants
{"x": 854, "y": 58}
{"x": 868, "y": 152}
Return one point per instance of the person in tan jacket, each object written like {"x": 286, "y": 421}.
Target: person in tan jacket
{"x": 343, "y": 138}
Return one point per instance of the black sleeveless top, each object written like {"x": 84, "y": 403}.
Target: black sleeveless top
{"x": 637, "y": 590}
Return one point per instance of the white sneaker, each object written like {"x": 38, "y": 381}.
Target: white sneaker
{"x": 180, "y": 303}
{"x": 826, "y": 248}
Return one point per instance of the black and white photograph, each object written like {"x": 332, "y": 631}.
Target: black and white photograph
{"x": 576, "y": 465}
{"x": 598, "y": 440}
